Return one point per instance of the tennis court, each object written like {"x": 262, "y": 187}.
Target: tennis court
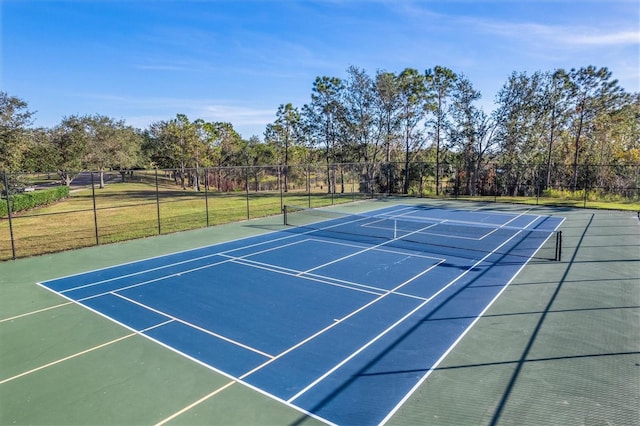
{"x": 338, "y": 318}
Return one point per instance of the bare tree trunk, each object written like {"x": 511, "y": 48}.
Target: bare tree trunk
{"x": 574, "y": 180}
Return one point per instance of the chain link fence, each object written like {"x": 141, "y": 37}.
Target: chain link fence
{"x": 38, "y": 214}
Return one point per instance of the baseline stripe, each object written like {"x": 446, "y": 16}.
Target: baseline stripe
{"x": 42, "y": 367}
{"x": 35, "y": 312}
{"x": 193, "y": 404}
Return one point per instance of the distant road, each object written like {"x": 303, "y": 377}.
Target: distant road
{"x": 84, "y": 179}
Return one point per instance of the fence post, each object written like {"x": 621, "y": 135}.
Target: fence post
{"x": 158, "y": 202}
{"x": 308, "y": 186}
{"x": 538, "y": 185}
{"x": 495, "y": 182}
{"x": 332, "y": 184}
{"x": 353, "y": 183}
{"x": 421, "y": 168}
{"x": 13, "y": 242}
{"x": 280, "y": 188}
{"x": 388, "y": 178}
{"x": 246, "y": 186}
{"x": 206, "y": 193}
{"x": 586, "y": 185}
{"x": 95, "y": 212}
{"x": 437, "y": 172}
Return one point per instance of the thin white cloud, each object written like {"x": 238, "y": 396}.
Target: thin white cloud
{"x": 608, "y": 34}
{"x": 606, "y": 39}
{"x": 558, "y": 35}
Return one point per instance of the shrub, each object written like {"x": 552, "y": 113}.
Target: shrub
{"x": 29, "y": 200}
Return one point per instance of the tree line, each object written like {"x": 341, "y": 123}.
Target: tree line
{"x": 554, "y": 120}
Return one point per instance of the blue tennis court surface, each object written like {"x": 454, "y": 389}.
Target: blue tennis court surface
{"x": 342, "y": 326}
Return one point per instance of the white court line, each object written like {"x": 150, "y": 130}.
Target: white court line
{"x": 193, "y": 404}
{"x": 243, "y": 248}
{"x": 168, "y": 265}
{"x": 400, "y": 321}
{"x": 204, "y": 330}
{"x": 250, "y": 262}
{"x": 330, "y": 280}
{"x": 364, "y": 250}
{"x": 192, "y": 270}
{"x": 385, "y": 214}
{"x": 121, "y": 338}
{"x": 224, "y": 253}
{"x": 380, "y": 290}
{"x": 350, "y": 285}
{"x": 229, "y": 384}
{"x": 485, "y": 212}
{"x": 337, "y": 282}
{"x": 173, "y": 275}
{"x": 177, "y": 274}
{"x": 140, "y": 333}
{"x": 505, "y": 225}
{"x": 455, "y": 343}
{"x": 42, "y": 367}
{"x": 209, "y": 246}
{"x": 407, "y": 252}
{"x": 318, "y": 278}
{"x": 212, "y": 394}
{"x": 334, "y": 324}
{"x": 492, "y": 228}
{"x": 273, "y": 358}
{"x": 133, "y": 274}
{"x": 35, "y": 312}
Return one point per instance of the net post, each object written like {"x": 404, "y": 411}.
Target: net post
{"x": 284, "y": 214}
{"x": 558, "y": 246}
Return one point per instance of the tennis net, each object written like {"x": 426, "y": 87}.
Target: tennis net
{"x": 443, "y": 237}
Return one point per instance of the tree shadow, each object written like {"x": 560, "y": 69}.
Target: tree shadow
{"x": 432, "y": 316}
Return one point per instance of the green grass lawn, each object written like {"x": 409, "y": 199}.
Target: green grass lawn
{"x": 136, "y": 209}
{"x": 130, "y": 210}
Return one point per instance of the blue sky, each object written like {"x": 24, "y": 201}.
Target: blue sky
{"x": 236, "y": 61}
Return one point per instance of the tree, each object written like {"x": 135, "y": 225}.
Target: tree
{"x": 387, "y": 101}
{"x": 413, "y": 107}
{"x": 110, "y": 144}
{"x": 620, "y": 134}
{"x": 614, "y": 145}
{"x": 284, "y": 133}
{"x": 175, "y": 145}
{"x": 553, "y": 104}
{"x": 261, "y": 155}
{"x": 41, "y": 151}
{"x": 14, "y": 120}
{"x": 226, "y": 149}
{"x": 229, "y": 148}
{"x": 70, "y": 141}
{"x": 440, "y": 83}
{"x": 470, "y": 133}
{"x": 387, "y": 116}
{"x": 590, "y": 93}
{"x": 362, "y": 141}
{"x": 520, "y": 130}
{"x": 322, "y": 117}
{"x": 358, "y": 117}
